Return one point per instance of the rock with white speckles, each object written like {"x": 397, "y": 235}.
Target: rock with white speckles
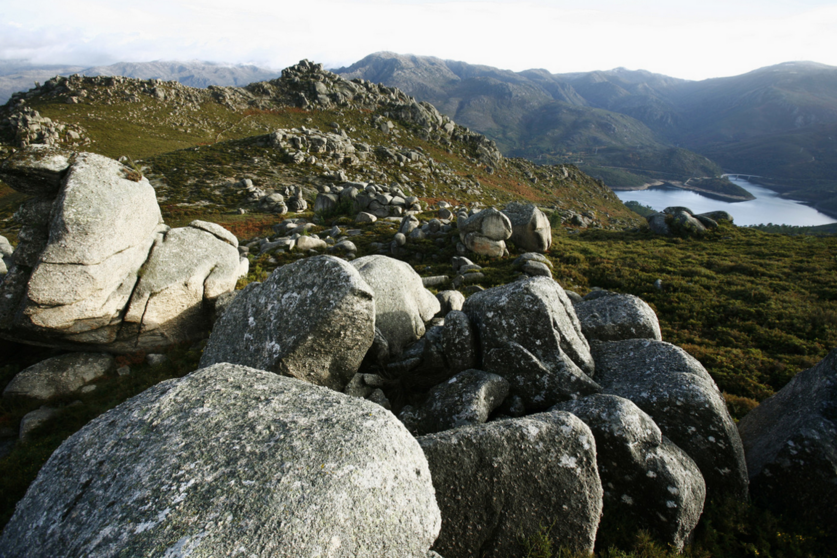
{"x": 791, "y": 444}
{"x": 402, "y": 304}
{"x": 313, "y": 319}
{"x": 501, "y": 481}
{"x": 649, "y": 483}
{"x": 531, "y": 230}
{"x": 230, "y": 460}
{"x": 677, "y": 392}
{"x": 615, "y": 317}
{"x": 467, "y": 398}
{"x": 537, "y": 315}
{"x": 61, "y": 375}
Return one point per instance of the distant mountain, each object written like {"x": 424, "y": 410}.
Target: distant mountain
{"x": 21, "y": 76}
{"x": 778, "y": 122}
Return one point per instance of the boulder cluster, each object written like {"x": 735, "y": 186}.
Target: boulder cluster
{"x": 681, "y": 221}
{"x": 462, "y": 425}
{"x": 96, "y": 267}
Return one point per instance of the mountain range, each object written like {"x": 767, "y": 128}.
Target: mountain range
{"x": 629, "y": 128}
{"x": 779, "y": 122}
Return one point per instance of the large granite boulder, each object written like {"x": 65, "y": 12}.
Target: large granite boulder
{"x": 615, "y": 317}
{"x": 61, "y": 375}
{"x": 677, "y": 392}
{"x": 791, "y": 445}
{"x": 535, "y": 313}
{"x": 531, "y": 230}
{"x": 649, "y": 483}
{"x": 402, "y": 304}
{"x": 85, "y": 241}
{"x": 313, "y": 319}
{"x": 499, "y": 482}
{"x": 230, "y": 460}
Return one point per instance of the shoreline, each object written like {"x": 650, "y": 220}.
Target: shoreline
{"x": 683, "y": 186}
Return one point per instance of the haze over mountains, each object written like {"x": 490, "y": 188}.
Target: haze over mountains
{"x": 626, "y": 127}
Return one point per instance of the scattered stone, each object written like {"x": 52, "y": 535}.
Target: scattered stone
{"x": 450, "y": 300}
{"x": 30, "y": 422}
{"x": 155, "y": 359}
{"x": 56, "y": 376}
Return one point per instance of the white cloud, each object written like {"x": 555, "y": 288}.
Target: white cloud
{"x": 712, "y": 38}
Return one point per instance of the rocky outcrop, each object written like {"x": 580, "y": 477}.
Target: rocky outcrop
{"x": 92, "y": 231}
{"x": 61, "y": 375}
{"x": 499, "y": 482}
{"x": 531, "y": 230}
{"x": 649, "y": 483}
{"x": 677, "y": 392}
{"x": 790, "y": 441}
{"x": 313, "y": 319}
{"x": 232, "y": 460}
{"x": 615, "y": 317}
{"x": 681, "y": 221}
{"x": 402, "y": 304}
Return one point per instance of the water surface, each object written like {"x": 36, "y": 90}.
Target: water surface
{"x": 768, "y": 207}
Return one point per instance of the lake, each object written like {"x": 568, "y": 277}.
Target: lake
{"x": 768, "y": 207}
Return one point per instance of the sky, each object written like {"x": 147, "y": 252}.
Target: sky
{"x": 690, "y": 40}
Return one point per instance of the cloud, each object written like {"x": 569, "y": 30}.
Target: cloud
{"x": 695, "y": 42}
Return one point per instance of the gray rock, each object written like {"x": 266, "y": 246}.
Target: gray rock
{"x": 408, "y": 224}
{"x": 671, "y": 386}
{"x": 264, "y": 466}
{"x": 402, "y": 304}
{"x": 534, "y": 313}
{"x": 457, "y": 262}
{"x": 364, "y": 217}
{"x": 531, "y": 230}
{"x": 36, "y": 170}
{"x": 501, "y": 481}
{"x": 450, "y": 300}
{"x": 156, "y": 359}
{"x": 469, "y": 397}
{"x": 684, "y": 224}
{"x": 617, "y": 317}
{"x": 30, "y": 422}
{"x": 217, "y": 230}
{"x": 459, "y": 342}
{"x": 537, "y": 386}
{"x": 313, "y": 319}
{"x": 305, "y": 243}
{"x": 481, "y": 244}
{"x": 649, "y": 483}
{"x": 791, "y": 445}
{"x": 657, "y": 223}
{"x": 325, "y": 203}
{"x": 273, "y": 203}
{"x": 536, "y": 269}
{"x": 174, "y": 298}
{"x": 488, "y": 223}
{"x": 61, "y": 375}
{"x": 717, "y": 216}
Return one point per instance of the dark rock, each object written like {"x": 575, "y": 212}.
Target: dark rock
{"x": 501, "y": 481}
{"x": 649, "y": 483}
{"x": 791, "y": 446}
{"x": 671, "y": 386}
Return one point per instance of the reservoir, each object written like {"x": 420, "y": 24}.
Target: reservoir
{"x": 768, "y": 207}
